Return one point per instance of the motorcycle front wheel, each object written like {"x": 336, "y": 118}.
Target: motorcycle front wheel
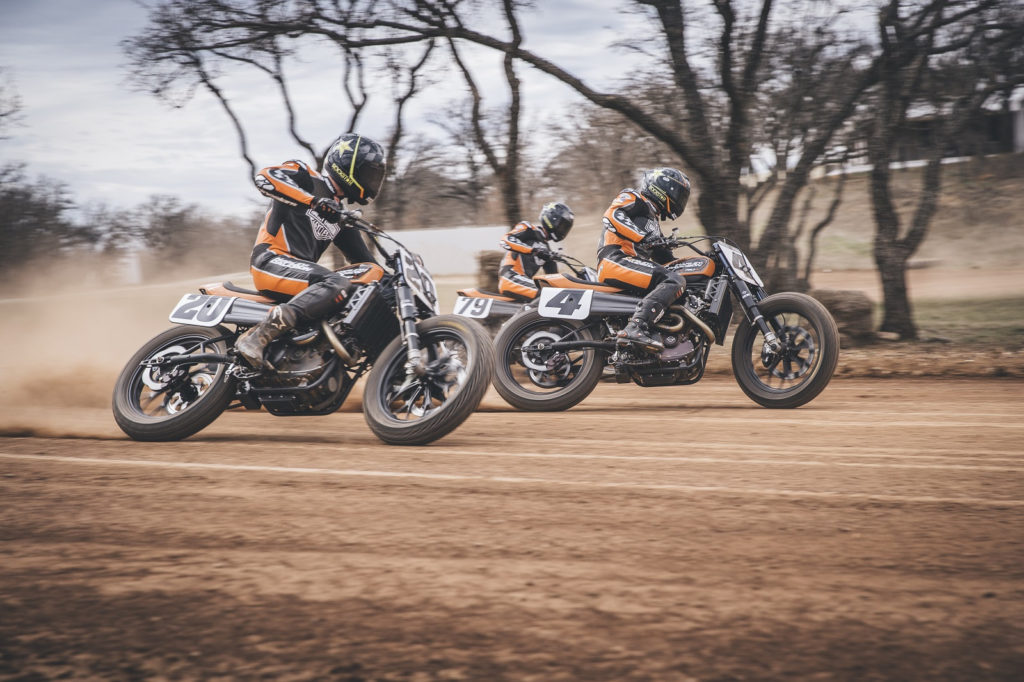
{"x": 530, "y": 377}
{"x": 402, "y": 408}
{"x": 802, "y": 368}
{"x": 154, "y": 402}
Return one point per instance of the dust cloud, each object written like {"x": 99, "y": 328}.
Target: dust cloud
{"x": 65, "y": 337}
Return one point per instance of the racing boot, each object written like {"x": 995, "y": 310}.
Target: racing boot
{"x": 637, "y": 332}
{"x": 252, "y": 344}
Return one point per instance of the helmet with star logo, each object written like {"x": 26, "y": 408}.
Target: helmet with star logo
{"x": 668, "y": 189}
{"x": 556, "y": 220}
{"x": 354, "y": 166}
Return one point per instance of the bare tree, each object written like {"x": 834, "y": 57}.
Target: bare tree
{"x": 972, "y": 54}
{"x": 506, "y": 170}
{"x": 187, "y": 43}
{"x": 469, "y": 177}
{"x": 411, "y": 75}
{"x": 709, "y": 109}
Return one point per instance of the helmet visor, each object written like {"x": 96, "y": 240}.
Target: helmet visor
{"x": 676, "y": 196}
{"x": 369, "y": 178}
{"x": 560, "y": 228}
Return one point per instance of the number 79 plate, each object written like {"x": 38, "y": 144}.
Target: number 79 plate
{"x": 471, "y": 306}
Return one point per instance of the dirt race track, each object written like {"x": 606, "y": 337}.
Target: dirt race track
{"x": 875, "y": 534}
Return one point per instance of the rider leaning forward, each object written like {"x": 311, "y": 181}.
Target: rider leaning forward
{"x": 630, "y": 254}
{"x": 527, "y": 246}
{"x": 301, "y": 224}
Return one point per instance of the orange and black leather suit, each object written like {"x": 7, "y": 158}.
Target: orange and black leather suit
{"x": 294, "y": 236}
{"x": 625, "y": 255}
{"x": 515, "y": 276}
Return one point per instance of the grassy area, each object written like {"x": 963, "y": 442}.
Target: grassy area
{"x": 989, "y": 321}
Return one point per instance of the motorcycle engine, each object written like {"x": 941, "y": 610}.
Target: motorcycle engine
{"x": 300, "y": 361}
{"x": 296, "y": 365}
{"x": 682, "y": 361}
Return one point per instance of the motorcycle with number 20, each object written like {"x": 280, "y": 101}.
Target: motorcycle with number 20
{"x": 552, "y": 354}
{"x": 427, "y": 372}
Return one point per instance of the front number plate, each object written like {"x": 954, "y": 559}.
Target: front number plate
{"x": 201, "y": 309}
{"x": 573, "y": 304}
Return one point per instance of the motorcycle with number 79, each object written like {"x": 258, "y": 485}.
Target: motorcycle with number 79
{"x": 427, "y": 372}
{"x": 552, "y": 354}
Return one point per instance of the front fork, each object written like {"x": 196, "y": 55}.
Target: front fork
{"x": 413, "y": 349}
{"x": 772, "y": 344}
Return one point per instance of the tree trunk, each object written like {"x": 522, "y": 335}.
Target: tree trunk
{"x": 898, "y": 316}
{"x": 891, "y": 254}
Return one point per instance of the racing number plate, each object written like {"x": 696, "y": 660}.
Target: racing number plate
{"x": 573, "y": 304}
{"x": 743, "y": 267}
{"x": 202, "y": 310}
{"x": 418, "y": 279}
{"x": 469, "y": 306}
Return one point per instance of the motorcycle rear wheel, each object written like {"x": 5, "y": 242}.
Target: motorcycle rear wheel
{"x": 414, "y": 410}
{"x": 804, "y": 367}
{"x": 151, "y": 404}
{"x": 548, "y": 382}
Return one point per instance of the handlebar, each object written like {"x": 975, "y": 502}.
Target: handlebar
{"x": 575, "y": 264}
{"x": 677, "y": 242}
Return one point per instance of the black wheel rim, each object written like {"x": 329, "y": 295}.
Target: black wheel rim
{"x": 410, "y": 398}
{"x": 795, "y": 363}
{"x": 161, "y": 392}
{"x": 539, "y": 370}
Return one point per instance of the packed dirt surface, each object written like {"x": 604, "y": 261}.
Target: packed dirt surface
{"x": 647, "y": 534}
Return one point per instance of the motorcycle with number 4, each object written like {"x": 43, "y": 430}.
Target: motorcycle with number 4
{"x": 552, "y": 354}
{"x": 427, "y": 372}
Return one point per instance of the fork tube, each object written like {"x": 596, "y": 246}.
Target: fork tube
{"x": 411, "y": 337}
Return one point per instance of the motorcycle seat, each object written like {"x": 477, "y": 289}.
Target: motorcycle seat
{"x": 563, "y": 281}
{"x": 480, "y": 293}
{"x": 231, "y": 289}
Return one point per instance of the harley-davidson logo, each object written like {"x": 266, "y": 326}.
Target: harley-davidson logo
{"x": 322, "y": 230}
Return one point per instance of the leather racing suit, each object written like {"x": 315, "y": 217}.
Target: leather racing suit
{"x": 294, "y": 236}
{"x": 626, "y": 257}
{"x": 521, "y": 263}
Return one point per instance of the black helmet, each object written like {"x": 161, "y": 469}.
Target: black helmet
{"x": 355, "y": 166}
{"x": 668, "y": 189}
{"x": 556, "y": 220}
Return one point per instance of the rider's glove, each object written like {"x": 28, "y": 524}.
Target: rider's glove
{"x": 328, "y": 209}
{"x": 541, "y": 253}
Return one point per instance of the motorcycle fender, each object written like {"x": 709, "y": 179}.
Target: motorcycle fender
{"x": 205, "y": 310}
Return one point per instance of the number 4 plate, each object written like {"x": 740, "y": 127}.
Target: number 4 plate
{"x": 573, "y": 304}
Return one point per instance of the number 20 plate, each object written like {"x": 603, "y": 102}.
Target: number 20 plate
{"x": 200, "y": 309}
{"x": 573, "y": 304}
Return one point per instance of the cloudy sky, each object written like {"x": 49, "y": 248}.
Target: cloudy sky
{"x": 83, "y": 124}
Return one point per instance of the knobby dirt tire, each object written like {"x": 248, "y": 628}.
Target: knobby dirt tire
{"x": 142, "y": 427}
{"x": 456, "y": 409}
{"x": 556, "y": 401}
{"x": 828, "y": 357}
